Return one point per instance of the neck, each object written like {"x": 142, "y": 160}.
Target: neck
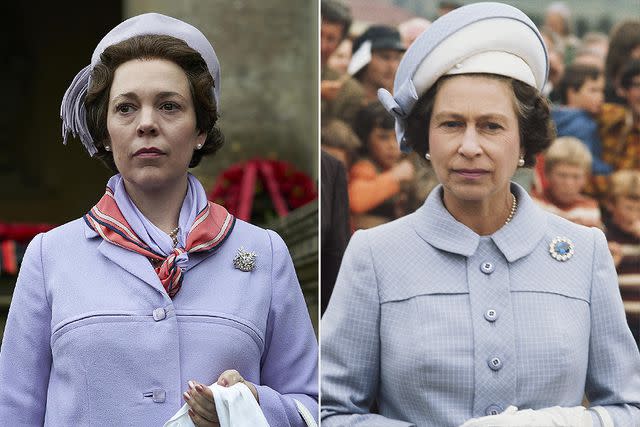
{"x": 485, "y": 216}
{"x": 161, "y": 205}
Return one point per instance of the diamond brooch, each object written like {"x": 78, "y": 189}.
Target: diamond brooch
{"x": 561, "y": 248}
{"x": 244, "y": 260}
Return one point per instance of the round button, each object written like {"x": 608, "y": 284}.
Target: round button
{"x": 159, "y": 396}
{"x": 159, "y": 314}
{"x": 487, "y": 267}
{"x": 495, "y": 363}
{"x": 493, "y": 410}
{"x": 491, "y": 315}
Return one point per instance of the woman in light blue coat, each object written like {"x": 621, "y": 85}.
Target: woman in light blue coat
{"x": 121, "y": 316}
{"x": 479, "y": 309}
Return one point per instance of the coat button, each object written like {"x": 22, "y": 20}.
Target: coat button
{"x": 495, "y": 363}
{"x": 159, "y": 314}
{"x": 159, "y": 396}
{"x": 487, "y": 267}
{"x": 491, "y": 315}
{"x": 493, "y": 410}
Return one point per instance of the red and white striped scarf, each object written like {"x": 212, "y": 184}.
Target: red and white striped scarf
{"x": 209, "y": 231}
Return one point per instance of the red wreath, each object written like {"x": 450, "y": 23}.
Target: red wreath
{"x": 261, "y": 188}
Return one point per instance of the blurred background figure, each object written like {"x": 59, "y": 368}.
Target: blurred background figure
{"x": 622, "y": 223}
{"x": 567, "y": 164}
{"x": 339, "y": 140}
{"x": 619, "y": 126}
{"x": 376, "y": 55}
{"x": 340, "y": 96}
{"x": 592, "y": 50}
{"x": 334, "y": 223}
{"x": 581, "y": 93}
{"x": 624, "y": 44}
{"x": 411, "y": 29}
{"x": 445, "y": 7}
{"x": 557, "y": 19}
{"x": 339, "y": 60}
{"x": 375, "y": 180}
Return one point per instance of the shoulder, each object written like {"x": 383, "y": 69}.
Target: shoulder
{"x": 388, "y": 238}
{"x": 589, "y": 240}
{"x": 71, "y": 233}
{"x": 254, "y": 238}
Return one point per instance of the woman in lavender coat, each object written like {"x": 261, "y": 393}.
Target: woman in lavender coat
{"x": 121, "y": 316}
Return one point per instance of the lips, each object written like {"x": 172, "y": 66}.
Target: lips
{"x": 471, "y": 173}
{"x": 149, "y": 152}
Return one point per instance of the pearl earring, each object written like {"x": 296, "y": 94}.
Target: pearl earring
{"x": 521, "y": 162}
{"x": 427, "y": 156}
{"x": 107, "y": 148}
{"x": 199, "y": 146}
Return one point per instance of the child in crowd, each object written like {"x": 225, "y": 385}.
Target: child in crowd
{"x": 375, "y": 195}
{"x": 623, "y": 233}
{"x": 338, "y": 139}
{"x": 567, "y": 163}
{"x": 582, "y": 94}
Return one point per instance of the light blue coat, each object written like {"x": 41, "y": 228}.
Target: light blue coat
{"x": 438, "y": 325}
{"x": 92, "y": 338}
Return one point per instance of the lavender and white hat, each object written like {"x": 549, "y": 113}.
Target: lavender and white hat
{"x": 73, "y": 111}
{"x": 490, "y": 37}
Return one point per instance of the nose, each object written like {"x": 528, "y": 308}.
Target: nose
{"x": 470, "y": 146}
{"x": 147, "y": 125}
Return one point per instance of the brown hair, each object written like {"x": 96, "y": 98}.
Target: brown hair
{"x": 534, "y": 119}
{"x": 153, "y": 47}
{"x": 624, "y": 37}
{"x": 575, "y": 76}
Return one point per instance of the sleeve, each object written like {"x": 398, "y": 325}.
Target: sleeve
{"x": 613, "y": 376}
{"x": 351, "y": 343}
{"x": 289, "y": 371}
{"x": 25, "y": 355}
{"x": 368, "y": 189}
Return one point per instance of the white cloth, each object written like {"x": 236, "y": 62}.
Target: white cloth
{"x": 556, "y": 416}
{"x": 235, "y": 405}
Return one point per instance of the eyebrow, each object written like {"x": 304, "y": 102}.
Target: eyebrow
{"x": 452, "y": 114}
{"x": 159, "y": 95}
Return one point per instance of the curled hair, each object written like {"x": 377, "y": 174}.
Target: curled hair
{"x": 153, "y": 47}
{"x": 535, "y": 127}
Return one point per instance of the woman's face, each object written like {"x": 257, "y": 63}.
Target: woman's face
{"x": 383, "y": 147}
{"x": 474, "y": 138}
{"x": 151, "y": 122}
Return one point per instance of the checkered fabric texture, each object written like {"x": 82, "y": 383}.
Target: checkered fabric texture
{"x": 436, "y": 325}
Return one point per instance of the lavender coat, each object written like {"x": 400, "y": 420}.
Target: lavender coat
{"x": 92, "y": 338}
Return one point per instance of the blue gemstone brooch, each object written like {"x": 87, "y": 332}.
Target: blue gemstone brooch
{"x": 244, "y": 260}
{"x": 561, "y": 248}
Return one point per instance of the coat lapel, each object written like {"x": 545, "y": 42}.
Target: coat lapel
{"x": 130, "y": 261}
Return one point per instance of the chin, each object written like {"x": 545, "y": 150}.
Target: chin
{"x": 468, "y": 192}
{"x": 150, "y": 179}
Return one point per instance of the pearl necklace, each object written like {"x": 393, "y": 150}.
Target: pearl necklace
{"x": 174, "y": 236}
{"x": 514, "y": 206}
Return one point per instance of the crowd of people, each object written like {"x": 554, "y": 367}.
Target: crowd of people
{"x": 590, "y": 174}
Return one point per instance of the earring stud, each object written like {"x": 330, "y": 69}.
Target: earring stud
{"x": 107, "y": 148}
{"x": 427, "y": 156}
{"x": 199, "y": 146}
{"x": 521, "y": 162}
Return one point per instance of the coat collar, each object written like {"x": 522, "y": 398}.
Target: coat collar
{"x": 433, "y": 223}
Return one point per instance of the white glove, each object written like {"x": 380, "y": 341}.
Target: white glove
{"x": 555, "y": 416}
